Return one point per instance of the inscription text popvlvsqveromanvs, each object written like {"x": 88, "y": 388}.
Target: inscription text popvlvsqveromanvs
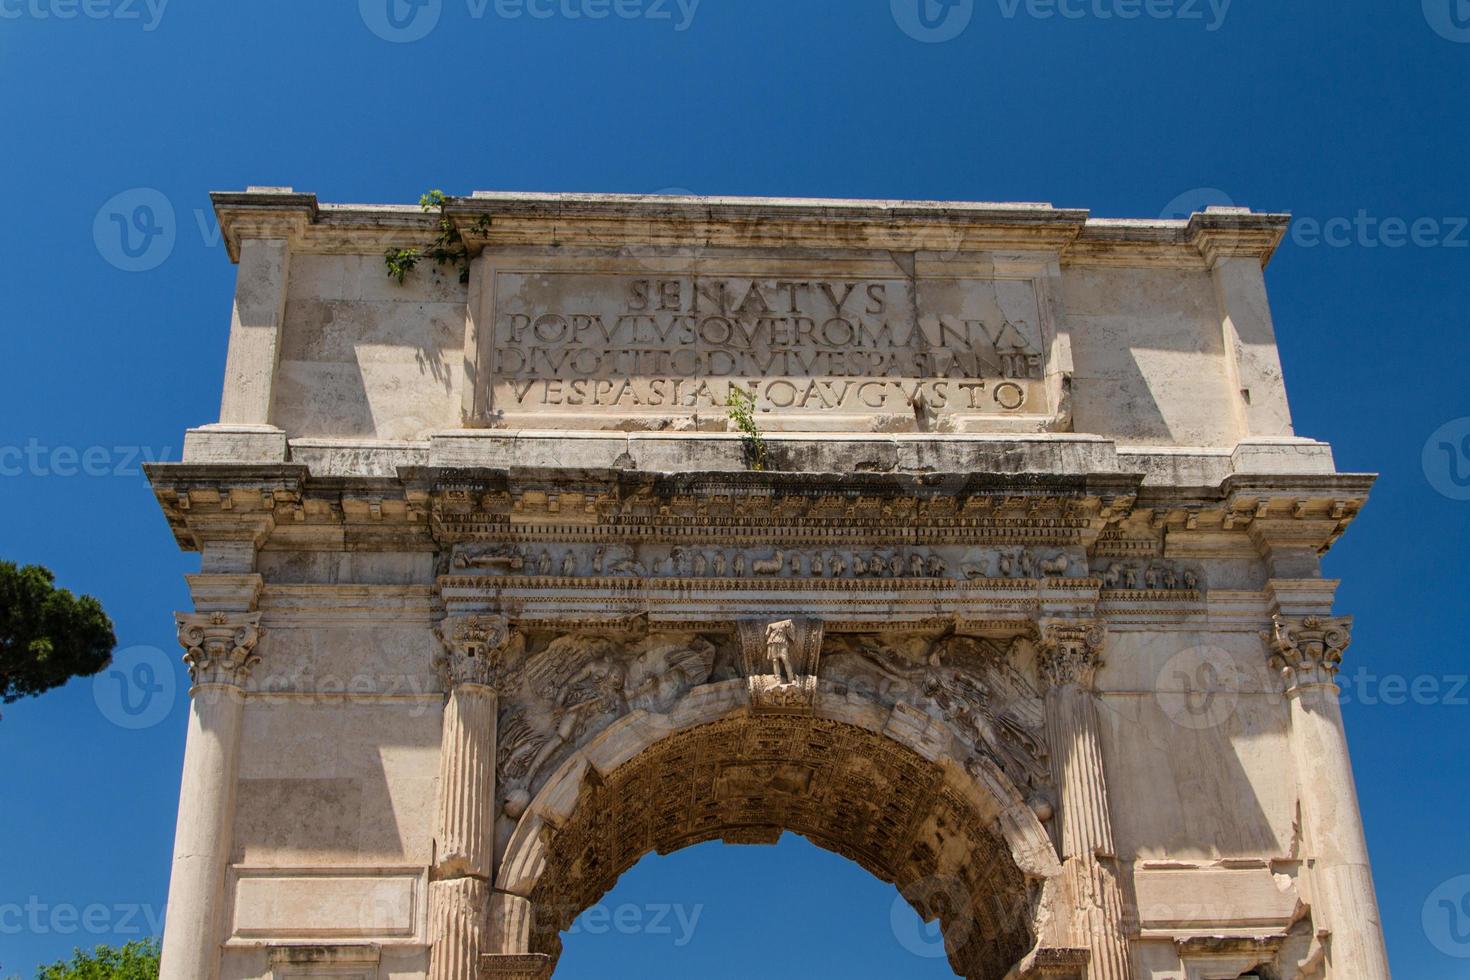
{"x": 599, "y": 344}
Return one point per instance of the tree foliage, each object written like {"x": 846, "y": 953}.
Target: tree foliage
{"x": 136, "y": 961}
{"x": 47, "y": 635}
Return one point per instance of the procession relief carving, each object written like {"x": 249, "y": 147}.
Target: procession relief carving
{"x": 694, "y": 563}
{"x": 639, "y": 351}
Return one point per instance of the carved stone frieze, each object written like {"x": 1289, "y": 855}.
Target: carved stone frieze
{"x": 219, "y": 648}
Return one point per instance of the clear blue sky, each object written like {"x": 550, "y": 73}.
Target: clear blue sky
{"x": 1331, "y": 110}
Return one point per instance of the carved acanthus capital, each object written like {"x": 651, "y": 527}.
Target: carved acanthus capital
{"x": 1308, "y": 649}
{"x": 219, "y": 647}
{"x": 478, "y": 650}
{"x": 1071, "y": 653}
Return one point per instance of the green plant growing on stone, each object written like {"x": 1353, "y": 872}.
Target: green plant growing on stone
{"x": 447, "y": 249}
{"x": 742, "y": 413}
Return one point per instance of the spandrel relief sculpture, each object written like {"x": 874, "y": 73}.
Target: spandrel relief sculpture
{"x": 570, "y": 687}
{"x": 976, "y": 686}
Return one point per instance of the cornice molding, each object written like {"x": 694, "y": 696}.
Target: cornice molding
{"x": 609, "y": 221}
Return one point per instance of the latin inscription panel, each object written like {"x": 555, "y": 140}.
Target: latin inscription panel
{"x": 662, "y": 351}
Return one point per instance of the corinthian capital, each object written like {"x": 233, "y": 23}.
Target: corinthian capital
{"x": 1071, "y": 652}
{"x": 219, "y": 647}
{"x": 1309, "y": 649}
{"x": 478, "y": 650}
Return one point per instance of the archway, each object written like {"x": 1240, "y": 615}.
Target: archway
{"x": 959, "y": 843}
{"x": 793, "y": 910}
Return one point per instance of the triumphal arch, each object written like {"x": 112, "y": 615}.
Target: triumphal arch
{"x": 972, "y": 542}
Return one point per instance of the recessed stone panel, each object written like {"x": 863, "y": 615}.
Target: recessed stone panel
{"x": 646, "y": 350}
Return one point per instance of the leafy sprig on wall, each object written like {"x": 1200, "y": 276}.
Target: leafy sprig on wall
{"x": 447, "y": 248}
{"x": 742, "y": 413}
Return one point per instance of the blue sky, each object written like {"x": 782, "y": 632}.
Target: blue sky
{"x": 1351, "y": 114}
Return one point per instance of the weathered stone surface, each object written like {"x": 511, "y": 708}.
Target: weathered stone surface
{"x": 1023, "y": 610}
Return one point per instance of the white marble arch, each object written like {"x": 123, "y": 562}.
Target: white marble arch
{"x": 993, "y": 798}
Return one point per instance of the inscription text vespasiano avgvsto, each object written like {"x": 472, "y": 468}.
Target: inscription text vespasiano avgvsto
{"x": 640, "y": 346}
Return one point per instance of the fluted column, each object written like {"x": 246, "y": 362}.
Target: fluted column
{"x": 219, "y": 649}
{"x": 1070, "y": 656}
{"x": 1308, "y": 652}
{"x": 473, "y": 665}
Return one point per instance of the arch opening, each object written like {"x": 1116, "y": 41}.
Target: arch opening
{"x": 746, "y": 779}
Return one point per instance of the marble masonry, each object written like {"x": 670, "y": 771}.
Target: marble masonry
{"x": 972, "y": 542}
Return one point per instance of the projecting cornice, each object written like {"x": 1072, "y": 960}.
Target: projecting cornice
{"x": 1110, "y": 514}
{"x": 613, "y": 221}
